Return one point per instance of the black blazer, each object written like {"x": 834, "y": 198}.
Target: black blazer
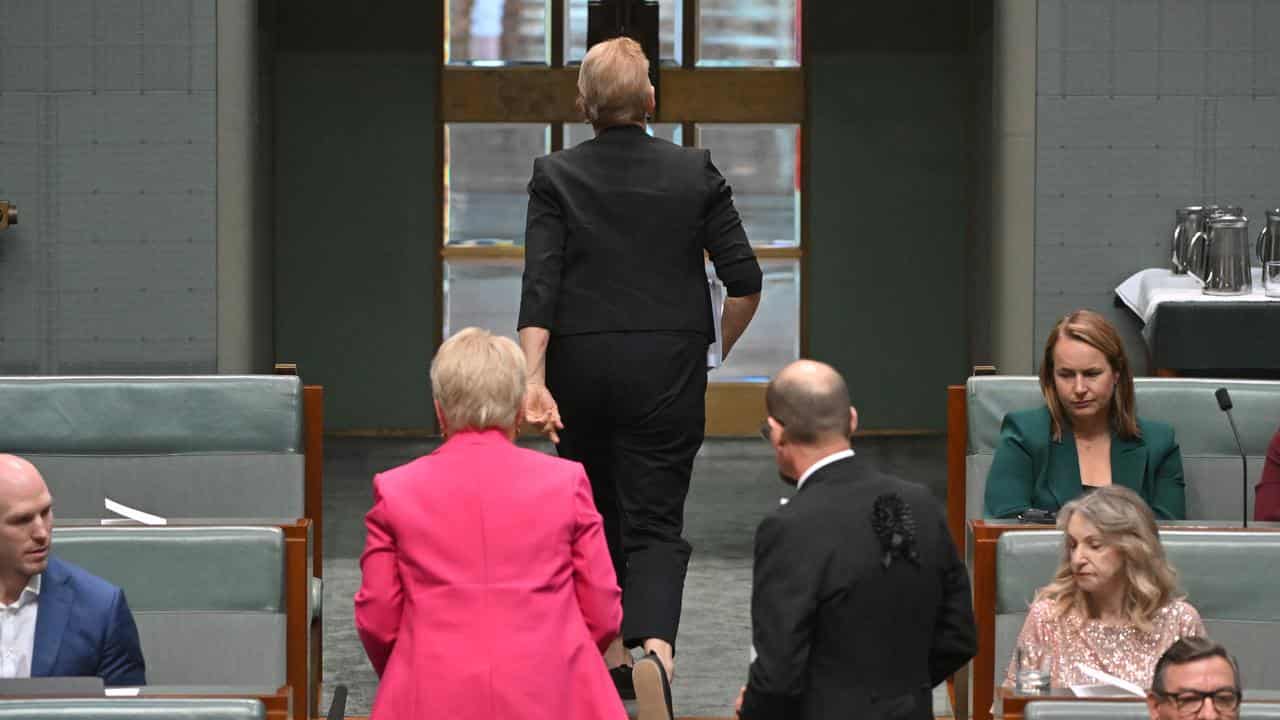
{"x": 838, "y": 635}
{"x": 615, "y": 236}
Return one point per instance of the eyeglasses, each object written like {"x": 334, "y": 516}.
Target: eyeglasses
{"x": 1189, "y": 702}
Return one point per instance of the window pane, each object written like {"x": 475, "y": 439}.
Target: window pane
{"x": 761, "y": 163}
{"x": 580, "y": 132}
{"x": 747, "y": 32}
{"x": 773, "y": 338}
{"x": 491, "y": 32}
{"x": 482, "y": 293}
{"x": 487, "y": 169}
{"x": 670, "y": 13}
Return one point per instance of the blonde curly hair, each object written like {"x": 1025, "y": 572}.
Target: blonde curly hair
{"x": 1127, "y": 524}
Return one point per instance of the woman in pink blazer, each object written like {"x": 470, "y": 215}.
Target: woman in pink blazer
{"x": 487, "y": 587}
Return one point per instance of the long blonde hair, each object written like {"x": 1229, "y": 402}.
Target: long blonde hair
{"x": 1092, "y": 329}
{"x": 1127, "y": 524}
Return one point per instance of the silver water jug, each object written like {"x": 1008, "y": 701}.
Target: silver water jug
{"x": 1220, "y": 257}
{"x": 1214, "y": 210}
{"x": 1187, "y": 222}
{"x": 1268, "y": 245}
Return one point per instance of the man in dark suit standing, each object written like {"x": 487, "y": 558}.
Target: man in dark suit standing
{"x": 860, "y": 605}
{"x": 615, "y": 321}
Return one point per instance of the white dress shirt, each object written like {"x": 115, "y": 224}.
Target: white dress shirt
{"x": 18, "y": 632}
{"x": 833, "y": 457}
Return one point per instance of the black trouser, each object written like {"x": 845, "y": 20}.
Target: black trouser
{"x": 633, "y": 410}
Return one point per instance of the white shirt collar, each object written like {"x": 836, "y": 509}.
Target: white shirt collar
{"x": 30, "y": 593}
{"x": 833, "y": 457}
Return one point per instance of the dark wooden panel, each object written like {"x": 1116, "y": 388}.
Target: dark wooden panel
{"x": 746, "y": 95}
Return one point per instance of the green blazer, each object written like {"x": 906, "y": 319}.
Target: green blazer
{"x": 1031, "y": 470}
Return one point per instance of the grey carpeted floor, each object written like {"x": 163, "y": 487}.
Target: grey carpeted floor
{"x": 734, "y": 486}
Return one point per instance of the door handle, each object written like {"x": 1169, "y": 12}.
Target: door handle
{"x": 8, "y": 214}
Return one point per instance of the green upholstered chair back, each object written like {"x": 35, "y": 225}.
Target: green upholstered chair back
{"x": 1231, "y": 577}
{"x": 133, "y": 709}
{"x": 209, "y": 601}
{"x": 1210, "y": 461}
{"x": 1082, "y": 710}
{"x": 194, "y": 446}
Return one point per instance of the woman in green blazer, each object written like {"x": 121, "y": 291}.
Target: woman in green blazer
{"x": 1087, "y": 434}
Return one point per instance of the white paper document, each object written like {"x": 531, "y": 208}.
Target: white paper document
{"x": 122, "y": 691}
{"x": 1109, "y": 685}
{"x": 132, "y": 513}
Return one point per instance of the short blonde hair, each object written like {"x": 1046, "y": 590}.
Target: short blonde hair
{"x": 613, "y": 83}
{"x": 1127, "y": 524}
{"x": 478, "y": 380}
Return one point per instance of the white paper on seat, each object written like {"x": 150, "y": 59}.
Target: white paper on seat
{"x": 121, "y": 691}
{"x": 133, "y": 513}
{"x": 1110, "y": 683}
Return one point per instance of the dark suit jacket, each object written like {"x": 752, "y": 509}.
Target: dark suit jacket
{"x": 837, "y": 634}
{"x": 84, "y": 628}
{"x": 1031, "y": 469}
{"x": 615, "y": 236}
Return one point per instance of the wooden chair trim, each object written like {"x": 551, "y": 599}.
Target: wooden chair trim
{"x": 313, "y": 469}
{"x": 957, "y": 447}
{"x": 298, "y": 615}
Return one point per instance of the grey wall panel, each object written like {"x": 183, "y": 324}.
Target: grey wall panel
{"x": 1143, "y": 106}
{"x": 106, "y": 117}
{"x": 356, "y": 232}
{"x": 889, "y": 217}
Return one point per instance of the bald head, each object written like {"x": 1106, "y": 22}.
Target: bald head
{"x": 17, "y": 474}
{"x": 811, "y": 401}
{"x": 26, "y": 524}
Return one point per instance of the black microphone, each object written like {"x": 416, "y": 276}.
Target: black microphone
{"x": 1224, "y": 403}
{"x": 338, "y": 708}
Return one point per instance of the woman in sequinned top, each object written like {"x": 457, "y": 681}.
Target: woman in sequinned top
{"x": 1113, "y": 603}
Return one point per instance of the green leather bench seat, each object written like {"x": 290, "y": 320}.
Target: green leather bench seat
{"x": 1210, "y": 461}
{"x": 1232, "y": 579}
{"x": 192, "y": 446}
{"x": 1068, "y": 710}
{"x": 133, "y": 709}
{"x": 209, "y": 601}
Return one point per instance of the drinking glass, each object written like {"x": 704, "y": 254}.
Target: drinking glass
{"x": 1033, "y": 676}
{"x": 1271, "y": 278}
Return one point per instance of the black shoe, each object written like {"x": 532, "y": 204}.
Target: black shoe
{"x": 653, "y": 690}
{"x": 622, "y": 681}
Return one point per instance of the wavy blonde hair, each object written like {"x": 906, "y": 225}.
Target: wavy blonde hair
{"x": 1127, "y": 524}
{"x": 613, "y": 83}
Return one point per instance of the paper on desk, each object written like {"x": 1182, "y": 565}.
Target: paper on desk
{"x": 133, "y": 514}
{"x": 122, "y": 691}
{"x": 1108, "y": 680}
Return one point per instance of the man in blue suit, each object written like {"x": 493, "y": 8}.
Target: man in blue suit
{"x": 56, "y": 620}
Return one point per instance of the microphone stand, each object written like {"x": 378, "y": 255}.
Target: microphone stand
{"x": 1225, "y": 404}
{"x": 1244, "y": 473}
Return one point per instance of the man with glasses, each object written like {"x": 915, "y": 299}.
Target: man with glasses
{"x": 860, "y": 604}
{"x": 1195, "y": 678}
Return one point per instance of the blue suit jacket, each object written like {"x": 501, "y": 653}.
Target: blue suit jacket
{"x": 84, "y": 628}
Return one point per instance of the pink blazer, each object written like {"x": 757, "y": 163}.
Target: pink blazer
{"x": 487, "y": 588}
